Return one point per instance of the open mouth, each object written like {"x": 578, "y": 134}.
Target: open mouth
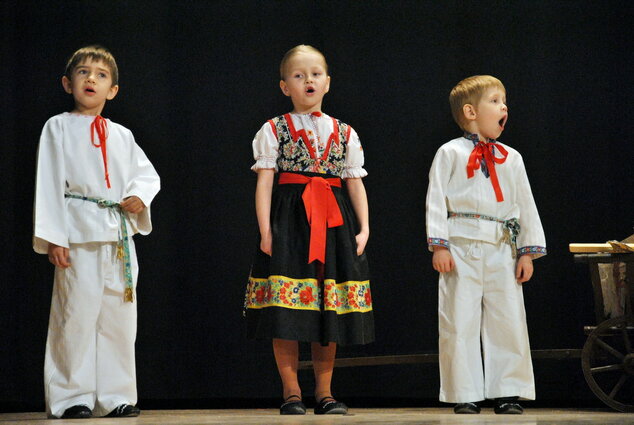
{"x": 90, "y": 90}
{"x": 310, "y": 90}
{"x": 503, "y": 121}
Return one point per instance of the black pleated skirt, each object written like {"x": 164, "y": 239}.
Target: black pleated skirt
{"x": 288, "y": 298}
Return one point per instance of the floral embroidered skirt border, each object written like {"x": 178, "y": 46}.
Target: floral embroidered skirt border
{"x": 285, "y": 296}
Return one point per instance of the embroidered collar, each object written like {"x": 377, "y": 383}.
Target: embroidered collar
{"x": 314, "y": 114}
{"x": 475, "y": 139}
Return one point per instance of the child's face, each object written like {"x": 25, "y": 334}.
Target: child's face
{"x": 305, "y": 81}
{"x": 491, "y": 113}
{"x": 91, "y": 85}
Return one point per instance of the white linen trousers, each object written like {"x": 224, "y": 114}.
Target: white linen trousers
{"x": 90, "y": 346}
{"x": 481, "y": 316}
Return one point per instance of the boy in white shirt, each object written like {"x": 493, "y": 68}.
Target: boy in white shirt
{"x": 94, "y": 187}
{"x": 484, "y": 230}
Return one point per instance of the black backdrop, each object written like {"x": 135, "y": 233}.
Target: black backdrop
{"x": 198, "y": 78}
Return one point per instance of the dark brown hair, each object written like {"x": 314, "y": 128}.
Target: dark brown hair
{"x": 94, "y": 53}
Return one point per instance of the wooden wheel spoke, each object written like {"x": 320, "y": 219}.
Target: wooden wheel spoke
{"x": 616, "y": 353}
{"x": 626, "y": 339}
{"x": 607, "y": 368}
{"x": 618, "y": 385}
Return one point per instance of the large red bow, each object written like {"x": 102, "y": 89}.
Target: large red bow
{"x": 321, "y": 207}
{"x": 485, "y": 152}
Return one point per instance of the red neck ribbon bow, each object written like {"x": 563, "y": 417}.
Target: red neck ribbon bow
{"x": 100, "y": 125}
{"x": 483, "y": 151}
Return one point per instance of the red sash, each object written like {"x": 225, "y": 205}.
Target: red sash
{"x": 322, "y": 210}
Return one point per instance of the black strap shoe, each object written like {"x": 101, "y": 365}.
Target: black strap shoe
{"x": 466, "y": 408}
{"x": 330, "y": 406}
{"x": 293, "y": 407}
{"x": 507, "y": 406}
{"x": 124, "y": 411}
{"x": 77, "y": 412}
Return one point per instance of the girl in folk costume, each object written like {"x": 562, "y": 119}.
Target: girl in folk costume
{"x": 310, "y": 280}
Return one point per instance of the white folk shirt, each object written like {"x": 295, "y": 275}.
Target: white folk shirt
{"x": 69, "y": 163}
{"x": 318, "y": 128}
{"x": 451, "y": 191}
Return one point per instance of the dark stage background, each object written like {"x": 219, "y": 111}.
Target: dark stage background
{"x": 198, "y": 79}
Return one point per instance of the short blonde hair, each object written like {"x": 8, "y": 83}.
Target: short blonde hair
{"x": 302, "y": 48}
{"x": 469, "y": 92}
{"x": 94, "y": 53}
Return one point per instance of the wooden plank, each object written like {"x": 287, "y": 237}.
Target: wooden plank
{"x": 358, "y": 415}
{"x": 597, "y": 289}
{"x": 378, "y": 360}
{"x": 594, "y": 247}
{"x": 558, "y": 354}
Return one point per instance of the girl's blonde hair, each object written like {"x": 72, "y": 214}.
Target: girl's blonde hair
{"x": 302, "y": 48}
{"x": 469, "y": 92}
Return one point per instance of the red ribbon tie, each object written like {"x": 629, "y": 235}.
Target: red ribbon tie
{"x": 100, "y": 126}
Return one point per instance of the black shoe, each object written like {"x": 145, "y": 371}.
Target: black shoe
{"x": 77, "y": 412}
{"x": 124, "y": 411}
{"x": 507, "y": 406}
{"x": 330, "y": 406}
{"x": 466, "y": 408}
{"x": 294, "y": 407}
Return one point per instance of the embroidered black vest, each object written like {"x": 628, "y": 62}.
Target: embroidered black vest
{"x": 296, "y": 153}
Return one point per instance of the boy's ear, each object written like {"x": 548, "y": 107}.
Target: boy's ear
{"x": 469, "y": 111}
{"x": 112, "y": 92}
{"x": 284, "y": 88}
{"x": 68, "y": 88}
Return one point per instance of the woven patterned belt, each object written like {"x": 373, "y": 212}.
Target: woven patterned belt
{"x": 511, "y": 226}
{"x": 123, "y": 246}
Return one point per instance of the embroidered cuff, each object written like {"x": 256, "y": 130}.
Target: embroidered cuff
{"x": 265, "y": 163}
{"x": 437, "y": 242}
{"x": 534, "y": 250}
{"x": 354, "y": 173}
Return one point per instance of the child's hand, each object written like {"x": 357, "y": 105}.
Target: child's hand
{"x": 132, "y": 204}
{"x": 442, "y": 260}
{"x": 266, "y": 243}
{"x": 58, "y": 256}
{"x": 362, "y": 241}
{"x": 524, "y": 269}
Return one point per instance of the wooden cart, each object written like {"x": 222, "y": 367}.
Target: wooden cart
{"x": 607, "y": 358}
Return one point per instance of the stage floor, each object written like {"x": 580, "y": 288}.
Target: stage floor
{"x": 422, "y": 416}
